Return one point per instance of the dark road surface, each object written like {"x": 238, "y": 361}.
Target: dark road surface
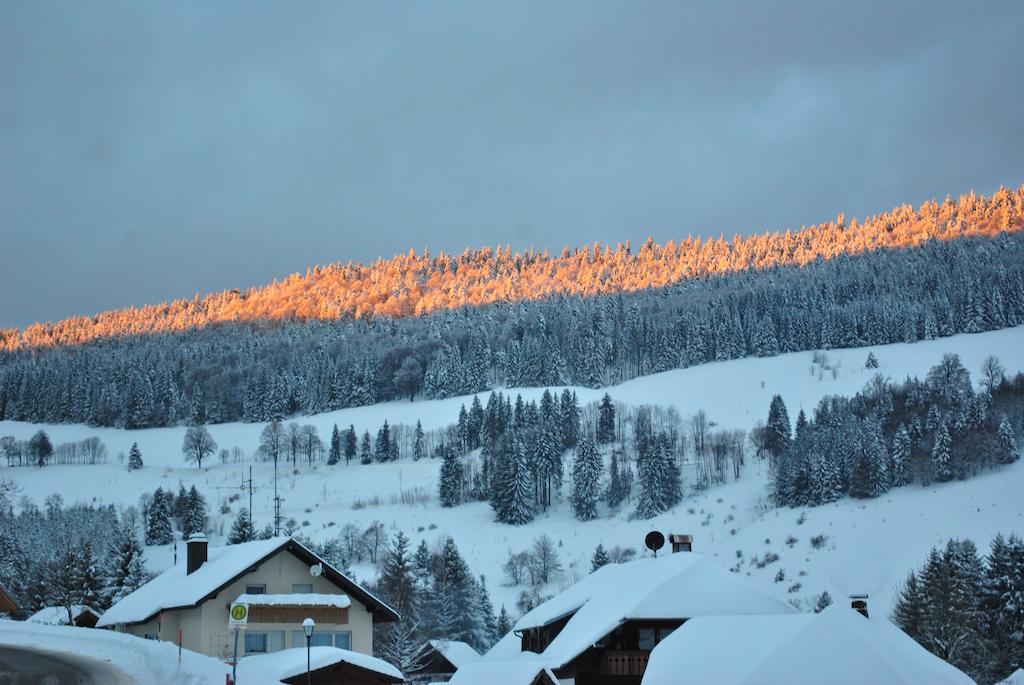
{"x": 25, "y": 666}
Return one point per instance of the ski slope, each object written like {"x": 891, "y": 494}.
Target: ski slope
{"x": 870, "y": 544}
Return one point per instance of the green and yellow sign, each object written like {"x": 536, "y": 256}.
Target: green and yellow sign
{"x": 238, "y": 615}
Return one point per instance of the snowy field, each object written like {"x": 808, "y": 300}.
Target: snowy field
{"x": 870, "y": 545}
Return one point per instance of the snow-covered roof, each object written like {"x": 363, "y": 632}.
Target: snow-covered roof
{"x": 1015, "y": 678}
{"x": 455, "y": 651}
{"x": 296, "y": 600}
{"x": 837, "y": 646}
{"x": 674, "y": 586}
{"x": 292, "y": 662}
{"x": 58, "y": 616}
{"x": 176, "y": 589}
{"x": 519, "y": 672}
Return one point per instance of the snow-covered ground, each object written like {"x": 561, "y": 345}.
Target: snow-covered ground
{"x": 870, "y": 545}
{"x": 144, "y": 661}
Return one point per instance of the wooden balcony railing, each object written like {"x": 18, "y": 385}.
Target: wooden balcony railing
{"x": 632, "y": 662}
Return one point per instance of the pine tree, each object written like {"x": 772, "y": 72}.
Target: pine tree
{"x": 777, "y": 430}
{"x": 616, "y": 488}
{"x": 382, "y": 448}
{"x": 942, "y": 466}
{"x": 88, "y": 576}
{"x": 350, "y": 444}
{"x": 651, "y": 476}
{"x": 417, "y": 442}
{"x": 606, "y": 421}
{"x": 822, "y": 602}
{"x": 334, "y": 456}
{"x": 125, "y": 572}
{"x": 515, "y": 505}
{"x": 869, "y": 477}
{"x": 134, "y": 457}
{"x": 450, "y": 480}
{"x": 599, "y": 559}
{"x": 400, "y": 645}
{"x": 504, "y": 623}
{"x": 909, "y": 609}
{"x": 900, "y": 457}
{"x": 872, "y": 362}
{"x": 396, "y": 583}
{"x": 1007, "y": 451}
{"x": 158, "y": 521}
{"x": 487, "y": 628}
{"x": 586, "y": 476}
{"x": 195, "y": 519}
{"x": 365, "y": 449}
{"x": 242, "y": 528}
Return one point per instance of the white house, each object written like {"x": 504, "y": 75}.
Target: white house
{"x": 190, "y": 601}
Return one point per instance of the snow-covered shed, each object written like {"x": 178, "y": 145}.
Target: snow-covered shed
{"x": 327, "y": 666}
{"x": 191, "y": 600}
{"x": 516, "y": 672}
{"x": 82, "y": 616}
{"x": 607, "y": 623}
{"x": 838, "y": 646}
{"x": 441, "y": 658}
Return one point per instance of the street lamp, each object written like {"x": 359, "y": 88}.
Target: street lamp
{"x": 307, "y": 628}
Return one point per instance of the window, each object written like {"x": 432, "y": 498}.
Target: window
{"x": 648, "y": 638}
{"x": 262, "y": 643}
{"x": 302, "y": 588}
{"x": 256, "y": 589}
{"x": 255, "y": 643}
{"x": 342, "y": 640}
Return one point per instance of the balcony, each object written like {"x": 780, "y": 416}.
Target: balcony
{"x": 624, "y": 663}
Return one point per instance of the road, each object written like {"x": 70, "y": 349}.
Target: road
{"x": 25, "y": 666}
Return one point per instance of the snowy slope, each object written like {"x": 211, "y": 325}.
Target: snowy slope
{"x": 871, "y": 545}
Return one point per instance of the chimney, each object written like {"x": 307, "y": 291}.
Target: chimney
{"x": 196, "y": 552}
{"x": 859, "y": 603}
{"x": 681, "y": 543}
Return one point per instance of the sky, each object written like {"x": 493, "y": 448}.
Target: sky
{"x": 153, "y": 150}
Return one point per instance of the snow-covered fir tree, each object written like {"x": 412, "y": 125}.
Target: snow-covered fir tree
{"x": 586, "y": 480}
{"x": 450, "y": 484}
{"x": 134, "y": 457}
{"x": 241, "y": 529}
{"x": 158, "y": 521}
{"x": 599, "y": 559}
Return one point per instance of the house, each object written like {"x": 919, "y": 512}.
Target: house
{"x": 282, "y": 580}
{"x": 327, "y": 666}
{"x": 8, "y": 605}
{"x": 602, "y": 630}
{"x": 838, "y": 646}
{"x": 441, "y": 658}
{"x": 519, "y": 672}
{"x": 81, "y": 615}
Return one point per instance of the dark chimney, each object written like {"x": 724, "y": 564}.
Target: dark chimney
{"x": 859, "y": 603}
{"x": 196, "y": 552}
{"x": 681, "y": 543}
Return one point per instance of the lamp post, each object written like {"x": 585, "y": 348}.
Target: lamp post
{"x": 307, "y": 628}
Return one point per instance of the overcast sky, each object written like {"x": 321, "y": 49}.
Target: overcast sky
{"x": 152, "y": 150}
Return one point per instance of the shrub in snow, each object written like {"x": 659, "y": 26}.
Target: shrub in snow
{"x": 818, "y": 541}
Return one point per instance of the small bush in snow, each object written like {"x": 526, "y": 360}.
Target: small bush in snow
{"x": 795, "y": 587}
{"x": 790, "y": 540}
{"x": 818, "y": 541}
{"x": 780, "y": 576}
{"x": 802, "y": 518}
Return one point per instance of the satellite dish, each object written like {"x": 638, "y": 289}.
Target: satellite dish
{"x": 654, "y": 541}
{"x": 316, "y": 570}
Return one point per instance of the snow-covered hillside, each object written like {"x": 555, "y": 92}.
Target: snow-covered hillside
{"x": 869, "y": 545}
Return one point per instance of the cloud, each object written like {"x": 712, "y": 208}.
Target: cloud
{"x": 153, "y": 150}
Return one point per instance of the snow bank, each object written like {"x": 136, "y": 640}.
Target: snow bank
{"x": 145, "y": 661}
{"x": 292, "y": 662}
{"x": 837, "y": 646}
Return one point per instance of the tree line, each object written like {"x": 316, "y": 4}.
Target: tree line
{"x": 894, "y": 434}
{"x": 263, "y": 372}
{"x": 968, "y": 609}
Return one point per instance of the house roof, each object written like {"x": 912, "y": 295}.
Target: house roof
{"x": 518, "y": 672}
{"x": 289, "y": 663}
{"x": 176, "y": 589}
{"x": 838, "y": 646}
{"x": 5, "y": 594}
{"x": 57, "y": 616}
{"x": 457, "y": 653}
{"x": 674, "y": 586}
